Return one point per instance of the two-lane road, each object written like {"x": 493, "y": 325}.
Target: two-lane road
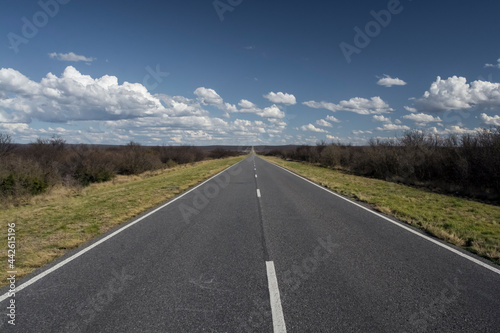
{"x": 258, "y": 249}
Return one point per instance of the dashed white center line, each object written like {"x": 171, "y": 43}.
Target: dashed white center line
{"x": 255, "y": 176}
{"x": 258, "y": 193}
{"x": 274, "y": 295}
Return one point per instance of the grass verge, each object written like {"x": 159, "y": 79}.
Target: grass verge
{"x": 54, "y": 223}
{"x": 471, "y": 225}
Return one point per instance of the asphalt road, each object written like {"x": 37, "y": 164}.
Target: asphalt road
{"x": 258, "y": 249}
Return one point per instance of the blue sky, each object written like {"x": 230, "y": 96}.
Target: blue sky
{"x": 246, "y": 72}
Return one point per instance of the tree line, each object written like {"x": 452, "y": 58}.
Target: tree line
{"x": 466, "y": 164}
{"x": 27, "y": 170}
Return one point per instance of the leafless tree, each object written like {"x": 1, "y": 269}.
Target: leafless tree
{"x": 6, "y": 145}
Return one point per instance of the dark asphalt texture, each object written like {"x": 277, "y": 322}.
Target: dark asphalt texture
{"x": 199, "y": 265}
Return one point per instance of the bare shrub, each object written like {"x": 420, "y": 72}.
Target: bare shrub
{"x": 136, "y": 159}
{"x": 89, "y": 165}
{"x": 6, "y": 145}
{"x": 468, "y": 164}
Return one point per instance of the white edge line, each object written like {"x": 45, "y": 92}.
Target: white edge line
{"x": 90, "y": 247}
{"x": 474, "y": 260}
{"x": 274, "y": 296}
{"x": 258, "y": 193}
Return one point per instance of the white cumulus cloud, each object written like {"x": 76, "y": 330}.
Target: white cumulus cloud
{"x": 393, "y": 127}
{"x": 245, "y": 104}
{"x": 101, "y": 110}
{"x": 323, "y": 123}
{"x": 333, "y": 138}
{"x": 72, "y": 96}
{"x": 382, "y": 119}
{"x": 359, "y": 105}
{"x": 487, "y": 120}
{"x": 422, "y": 118}
{"x": 70, "y": 57}
{"x": 272, "y": 111}
{"x": 208, "y": 96}
{"x": 332, "y": 119}
{"x": 388, "y": 81}
{"x": 455, "y": 93}
{"x": 312, "y": 128}
{"x": 281, "y": 98}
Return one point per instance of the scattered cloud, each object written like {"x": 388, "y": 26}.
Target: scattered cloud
{"x": 455, "y": 129}
{"x": 422, "y": 118}
{"x": 410, "y": 109}
{"x": 283, "y": 98}
{"x": 333, "y": 138}
{"x": 332, "y": 119}
{"x": 393, "y": 127}
{"x": 312, "y": 128}
{"x": 244, "y": 104}
{"x": 70, "y": 57}
{"x": 323, "y": 123}
{"x": 382, "y": 119}
{"x": 388, "y": 81}
{"x": 271, "y": 112}
{"x": 497, "y": 65}
{"x": 361, "y": 132}
{"x": 208, "y": 96}
{"x": 487, "y": 120}
{"x": 358, "y": 105}
{"x": 455, "y": 93}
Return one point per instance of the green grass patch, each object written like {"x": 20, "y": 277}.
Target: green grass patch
{"x": 51, "y": 225}
{"x": 469, "y": 224}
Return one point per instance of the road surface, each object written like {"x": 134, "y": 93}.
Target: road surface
{"x": 259, "y": 249}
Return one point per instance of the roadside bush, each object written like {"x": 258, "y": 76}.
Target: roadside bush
{"x": 19, "y": 178}
{"x": 90, "y": 165}
{"x": 222, "y": 153}
{"x": 466, "y": 165}
{"x": 135, "y": 159}
{"x": 181, "y": 154}
{"x": 31, "y": 169}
